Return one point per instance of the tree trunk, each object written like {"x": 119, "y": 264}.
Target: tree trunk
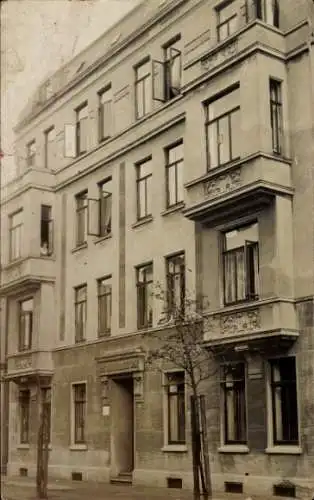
{"x": 42, "y": 455}
{"x": 195, "y": 450}
{"x": 205, "y": 448}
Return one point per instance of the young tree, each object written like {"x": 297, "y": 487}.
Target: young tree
{"x": 43, "y": 452}
{"x": 181, "y": 345}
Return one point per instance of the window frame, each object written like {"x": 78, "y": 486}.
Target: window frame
{"x": 180, "y": 395}
{"x": 171, "y": 289}
{"x": 101, "y": 113}
{"x": 24, "y": 406}
{"x": 31, "y": 151}
{"x": 22, "y": 346}
{"x": 83, "y": 403}
{"x": 77, "y": 303}
{"x": 12, "y": 229}
{"x": 241, "y": 393}
{"x": 106, "y": 331}
{"x": 142, "y": 82}
{"x": 47, "y": 142}
{"x": 272, "y": 385}
{"x": 47, "y": 402}
{"x": 104, "y": 229}
{"x": 220, "y": 23}
{"x": 276, "y": 115}
{"x": 49, "y": 222}
{"x": 248, "y": 282}
{"x": 83, "y": 195}
{"x": 78, "y": 128}
{"x": 143, "y": 310}
{"x": 144, "y": 180}
{"x": 170, "y": 91}
{"x": 176, "y": 165}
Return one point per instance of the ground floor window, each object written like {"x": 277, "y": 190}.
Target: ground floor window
{"x": 175, "y": 407}
{"x": 79, "y": 412}
{"x": 24, "y": 416}
{"x": 284, "y": 401}
{"x": 234, "y": 403}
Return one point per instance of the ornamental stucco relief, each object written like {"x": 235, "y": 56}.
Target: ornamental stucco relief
{"x": 240, "y": 322}
{"x": 223, "y": 184}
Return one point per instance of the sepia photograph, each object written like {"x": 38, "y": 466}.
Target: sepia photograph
{"x": 157, "y": 249}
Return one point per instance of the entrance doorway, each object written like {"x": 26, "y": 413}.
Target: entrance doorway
{"x": 122, "y": 425}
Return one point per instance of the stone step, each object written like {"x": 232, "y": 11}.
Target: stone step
{"x": 122, "y": 478}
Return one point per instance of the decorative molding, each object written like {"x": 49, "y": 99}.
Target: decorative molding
{"x": 120, "y": 94}
{"x": 116, "y": 364}
{"x": 23, "y": 363}
{"x": 219, "y": 56}
{"x": 138, "y": 386}
{"x": 196, "y": 42}
{"x": 240, "y": 322}
{"x": 223, "y": 184}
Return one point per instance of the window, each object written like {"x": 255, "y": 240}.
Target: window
{"x": 81, "y": 218}
{"x": 15, "y": 229}
{"x": 50, "y": 147}
{"x": 105, "y": 207}
{"x": 31, "y": 153}
{"x": 276, "y": 115}
{"x": 79, "y": 402}
{"x": 104, "y": 306}
{"x": 144, "y": 285}
{"x": 46, "y": 409}
{"x": 46, "y": 231}
{"x": 26, "y": 308}
{"x": 284, "y": 401}
{"x": 227, "y": 21}
{"x": 176, "y": 407}
{"x": 223, "y": 128}
{"x": 105, "y": 115}
{"x": 176, "y": 284}
{"x": 174, "y": 174}
{"x": 24, "y": 416}
{"x": 167, "y": 74}
{"x": 80, "y": 313}
{"x": 241, "y": 264}
{"x": 143, "y": 92}
{"x": 81, "y": 129}
{"x": 234, "y": 403}
{"x": 265, "y": 10}
{"x": 144, "y": 186}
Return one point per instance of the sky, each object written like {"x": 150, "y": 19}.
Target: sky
{"x": 37, "y": 37}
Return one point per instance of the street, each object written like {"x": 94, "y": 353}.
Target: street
{"x": 25, "y": 490}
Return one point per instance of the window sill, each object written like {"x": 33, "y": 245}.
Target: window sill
{"x": 104, "y": 335}
{"x": 141, "y": 222}
{"x": 284, "y": 450}
{"x": 80, "y": 342}
{"x": 234, "y": 448}
{"x": 78, "y": 447}
{"x": 175, "y": 208}
{"x": 79, "y": 247}
{"x": 103, "y": 238}
{"x": 22, "y": 446}
{"x": 176, "y": 448}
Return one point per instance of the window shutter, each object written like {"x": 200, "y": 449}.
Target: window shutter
{"x": 93, "y": 217}
{"x": 158, "y": 72}
{"x": 69, "y": 141}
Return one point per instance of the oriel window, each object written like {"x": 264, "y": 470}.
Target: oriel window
{"x": 26, "y": 309}
{"x": 16, "y": 235}
{"x": 276, "y": 115}
{"x": 46, "y": 230}
{"x": 31, "y": 154}
{"x": 143, "y": 90}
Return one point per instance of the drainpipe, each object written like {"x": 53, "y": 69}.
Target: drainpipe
{"x": 5, "y": 398}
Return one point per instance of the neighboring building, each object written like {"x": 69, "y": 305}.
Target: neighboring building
{"x": 181, "y": 139}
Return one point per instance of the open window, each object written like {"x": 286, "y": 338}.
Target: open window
{"x": 99, "y": 211}
{"x": 241, "y": 264}
{"x": 167, "y": 74}
{"x": 46, "y": 231}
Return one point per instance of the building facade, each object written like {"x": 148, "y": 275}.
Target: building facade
{"x": 176, "y": 149}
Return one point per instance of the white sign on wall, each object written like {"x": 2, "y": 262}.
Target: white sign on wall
{"x": 106, "y": 411}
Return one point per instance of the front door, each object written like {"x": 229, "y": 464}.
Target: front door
{"x": 122, "y": 425}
